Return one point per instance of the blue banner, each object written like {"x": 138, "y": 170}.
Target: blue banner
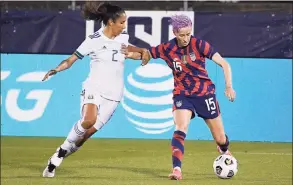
{"x": 262, "y": 110}
{"x": 241, "y": 34}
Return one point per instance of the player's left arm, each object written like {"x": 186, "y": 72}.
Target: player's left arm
{"x": 209, "y": 52}
{"x": 129, "y": 51}
{"x": 132, "y": 52}
{"x": 133, "y": 55}
{"x": 136, "y": 49}
{"x": 218, "y": 59}
{"x": 229, "y": 91}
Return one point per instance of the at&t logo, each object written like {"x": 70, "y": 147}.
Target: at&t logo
{"x": 148, "y": 99}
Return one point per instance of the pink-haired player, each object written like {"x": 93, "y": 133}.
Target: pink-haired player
{"x": 194, "y": 92}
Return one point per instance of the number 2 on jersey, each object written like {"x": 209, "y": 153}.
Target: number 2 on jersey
{"x": 113, "y": 55}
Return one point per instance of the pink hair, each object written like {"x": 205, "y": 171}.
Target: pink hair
{"x": 180, "y": 21}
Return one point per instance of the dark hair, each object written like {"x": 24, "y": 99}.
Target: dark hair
{"x": 92, "y": 10}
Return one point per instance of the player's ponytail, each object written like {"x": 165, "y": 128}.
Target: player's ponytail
{"x": 93, "y": 11}
{"x": 101, "y": 12}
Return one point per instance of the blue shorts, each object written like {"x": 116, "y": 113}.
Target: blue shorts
{"x": 206, "y": 107}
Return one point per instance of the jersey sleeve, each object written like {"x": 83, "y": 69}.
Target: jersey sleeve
{"x": 84, "y": 49}
{"x": 158, "y": 51}
{"x": 206, "y": 49}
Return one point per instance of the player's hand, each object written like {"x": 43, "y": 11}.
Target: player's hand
{"x": 124, "y": 49}
{"x": 50, "y": 73}
{"x": 230, "y": 93}
{"x": 145, "y": 57}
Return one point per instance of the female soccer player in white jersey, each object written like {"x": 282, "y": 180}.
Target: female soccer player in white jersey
{"x": 103, "y": 88}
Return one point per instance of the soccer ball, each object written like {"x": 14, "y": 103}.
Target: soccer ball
{"x": 225, "y": 166}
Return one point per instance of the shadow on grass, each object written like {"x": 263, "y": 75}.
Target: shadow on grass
{"x": 73, "y": 173}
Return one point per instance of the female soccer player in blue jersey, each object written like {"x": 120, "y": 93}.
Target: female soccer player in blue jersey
{"x": 194, "y": 92}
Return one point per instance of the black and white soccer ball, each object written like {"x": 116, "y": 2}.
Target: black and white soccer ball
{"x": 225, "y": 166}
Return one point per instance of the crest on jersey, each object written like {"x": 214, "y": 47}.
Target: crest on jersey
{"x": 82, "y": 92}
{"x": 90, "y": 97}
{"x": 183, "y": 59}
{"x": 178, "y": 103}
{"x": 192, "y": 56}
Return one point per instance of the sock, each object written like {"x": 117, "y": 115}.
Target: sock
{"x": 224, "y": 147}
{"x": 177, "y": 148}
{"x": 56, "y": 159}
{"x": 68, "y": 147}
{"x": 72, "y": 149}
{"x": 76, "y": 132}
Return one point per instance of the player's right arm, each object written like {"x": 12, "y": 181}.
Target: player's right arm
{"x": 65, "y": 64}
{"x": 83, "y": 50}
{"x": 154, "y": 52}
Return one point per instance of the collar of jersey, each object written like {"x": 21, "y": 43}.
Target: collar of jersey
{"x": 103, "y": 35}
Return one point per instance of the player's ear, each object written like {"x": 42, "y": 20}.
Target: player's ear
{"x": 110, "y": 22}
{"x": 175, "y": 33}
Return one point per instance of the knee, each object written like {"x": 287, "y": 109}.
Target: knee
{"x": 88, "y": 122}
{"x": 182, "y": 127}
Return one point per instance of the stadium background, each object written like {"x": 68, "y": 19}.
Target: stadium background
{"x": 256, "y": 39}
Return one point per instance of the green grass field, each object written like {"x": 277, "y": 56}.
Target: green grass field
{"x": 141, "y": 162}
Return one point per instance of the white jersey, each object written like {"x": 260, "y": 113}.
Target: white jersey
{"x": 106, "y": 63}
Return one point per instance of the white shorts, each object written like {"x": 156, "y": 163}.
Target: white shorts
{"x": 106, "y": 107}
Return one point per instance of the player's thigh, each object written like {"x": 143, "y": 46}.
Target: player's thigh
{"x": 207, "y": 107}
{"x": 89, "y": 112}
{"x": 89, "y": 105}
{"x": 183, "y": 111}
{"x": 106, "y": 109}
{"x": 217, "y": 128}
